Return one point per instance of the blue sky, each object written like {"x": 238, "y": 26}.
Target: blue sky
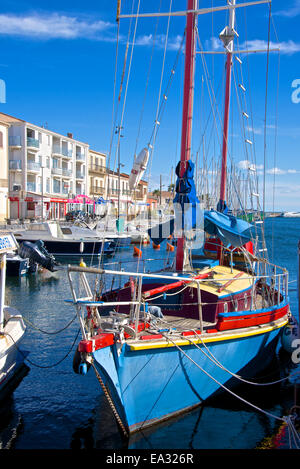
{"x": 58, "y": 63}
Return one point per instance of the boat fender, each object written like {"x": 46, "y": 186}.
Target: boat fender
{"x": 137, "y": 252}
{"x": 289, "y": 334}
{"x": 83, "y": 369}
{"x": 170, "y": 247}
{"x": 78, "y": 367}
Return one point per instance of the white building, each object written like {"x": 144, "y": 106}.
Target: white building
{"x": 3, "y": 170}
{"x": 45, "y": 170}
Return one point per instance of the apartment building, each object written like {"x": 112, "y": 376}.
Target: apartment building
{"x": 4, "y": 208}
{"x": 122, "y": 199}
{"x": 45, "y": 170}
{"x": 96, "y": 174}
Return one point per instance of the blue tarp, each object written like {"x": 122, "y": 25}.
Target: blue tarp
{"x": 186, "y": 197}
{"x": 100, "y": 200}
{"x": 229, "y": 229}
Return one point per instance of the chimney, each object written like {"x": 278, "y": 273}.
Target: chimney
{"x": 69, "y": 135}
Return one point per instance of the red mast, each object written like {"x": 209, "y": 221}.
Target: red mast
{"x": 187, "y": 113}
{"x": 226, "y": 36}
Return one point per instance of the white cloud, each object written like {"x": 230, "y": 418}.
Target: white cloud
{"x": 286, "y": 47}
{"x": 254, "y": 130}
{"x": 47, "y": 26}
{"x": 291, "y": 12}
{"x": 246, "y": 164}
{"x": 174, "y": 43}
{"x": 54, "y": 26}
{"x": 278, "y": 171}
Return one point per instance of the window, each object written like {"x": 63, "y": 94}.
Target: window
{"x": 1, "y": 139}
{"x": 56, "y": 186}
{"x": 66, "y": 231}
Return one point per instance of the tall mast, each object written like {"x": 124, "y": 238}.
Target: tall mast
{"x": 227, "y": 36}
{"x": 187, "y": 112}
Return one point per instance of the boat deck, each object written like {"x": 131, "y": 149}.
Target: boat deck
{"x": 184, "y": 324}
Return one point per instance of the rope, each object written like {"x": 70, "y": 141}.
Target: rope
{"x": 159, "y": 94}
{"x": 282, "y": 419}
{"x": 147, "y": 82}
{"x": 47, "y": 332}
{"x": 109, "y": 399}
{"x": 265, "y": 119}
{"x": 35, "y": 364}
{"x": 219, "y": 364}
{"x": 292, "y": 432}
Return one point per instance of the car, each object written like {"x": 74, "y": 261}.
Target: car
{"x": 71, "y": 216}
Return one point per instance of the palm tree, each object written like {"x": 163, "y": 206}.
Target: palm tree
{"x": 156, "y": 192}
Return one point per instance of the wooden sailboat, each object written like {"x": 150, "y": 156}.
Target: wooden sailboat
{"x": 165, "y": 341}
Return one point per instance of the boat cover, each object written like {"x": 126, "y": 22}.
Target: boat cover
{"x": 229, "y": 229}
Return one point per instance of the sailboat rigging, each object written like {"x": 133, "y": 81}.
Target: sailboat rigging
{"x": 166, "y": 340}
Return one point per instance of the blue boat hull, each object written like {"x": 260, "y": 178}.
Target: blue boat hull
{"x": 153, "y": 384}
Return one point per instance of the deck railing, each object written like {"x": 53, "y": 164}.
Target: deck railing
{"x": 272, "y": 287}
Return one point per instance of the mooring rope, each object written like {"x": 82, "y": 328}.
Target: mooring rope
{"x": 219, "y": 364}
{"x": 282, "y": 419}
{"x": 109, "y": 399}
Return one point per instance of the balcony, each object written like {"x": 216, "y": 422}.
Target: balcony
{"x": 33, "y": 144}
{"x": 33, "y": 167}
{"x": 97, "y": 190}
{"x": 117, "y": 191}
{"x": 15, "y": 165}
{"x": 66, "y": 153}
{"x": 56, "y": 171}
{"x": 67, "y": 173}
{"x": 79, "y": 175}
{"x": 14, "y": 141}
{"x": 95, "y": 168}
{"x": 31, "y": 186}
{"x": 80, "y": 156}
{"x": 113, "y": 191}
{"x": 56, "y": 150}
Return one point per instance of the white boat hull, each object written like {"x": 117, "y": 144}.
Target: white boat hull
{"x": 11, "y": 358}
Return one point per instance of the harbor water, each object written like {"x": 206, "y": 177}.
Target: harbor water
{"x": 54, "y": 408}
